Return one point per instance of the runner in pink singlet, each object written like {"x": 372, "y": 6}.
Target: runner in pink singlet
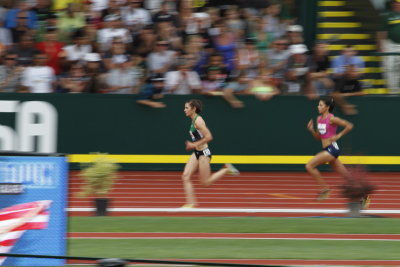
{"x": 327, "y": 125}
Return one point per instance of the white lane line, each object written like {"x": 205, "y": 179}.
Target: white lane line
{"x": 249, "y": 210}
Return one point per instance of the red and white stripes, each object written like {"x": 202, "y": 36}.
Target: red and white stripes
{"x": 15, "y": 220}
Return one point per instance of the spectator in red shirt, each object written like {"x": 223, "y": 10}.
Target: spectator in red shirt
{"x": 53, "y": 49}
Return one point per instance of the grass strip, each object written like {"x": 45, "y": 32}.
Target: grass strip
{"x": 236, "y": 225}
{"x": 236, "y": 249}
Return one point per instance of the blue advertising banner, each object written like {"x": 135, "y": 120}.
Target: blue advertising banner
{"x": 32, "y": 208}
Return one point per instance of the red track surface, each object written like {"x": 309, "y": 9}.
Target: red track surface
{"x": 250, "y": 190}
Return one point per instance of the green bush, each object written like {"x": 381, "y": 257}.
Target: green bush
{"x": 98, "y": 176}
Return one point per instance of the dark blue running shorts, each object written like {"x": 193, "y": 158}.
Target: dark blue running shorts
{"x": 333, "y": 149}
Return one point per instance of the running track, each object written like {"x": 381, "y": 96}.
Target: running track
{"x": 251, "y": 194}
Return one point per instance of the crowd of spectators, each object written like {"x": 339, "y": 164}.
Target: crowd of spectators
{"x": 388, "y": 42}
{"x": 155, "y": 47}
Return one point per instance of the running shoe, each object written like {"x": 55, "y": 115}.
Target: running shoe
{"x": 365, "y": 202}
{"x": 188, "y": 206}
{"x": 231, "y": 169}
{"x": 323, "y": 194}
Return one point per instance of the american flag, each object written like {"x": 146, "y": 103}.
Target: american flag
{"x": 15, "y": 220}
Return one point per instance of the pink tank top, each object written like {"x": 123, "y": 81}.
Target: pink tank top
{"x": 325, "y": 128}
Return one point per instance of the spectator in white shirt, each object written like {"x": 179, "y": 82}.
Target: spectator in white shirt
{"x": 112, "y": 30}
{"x": 182, "y": 81}
{"x": 99, "y": 5}
{"x": 38, "y": 78}
{"x": 135, "y": 17}
{"x": 162, "y": 59}
{"x": 123, "y": 79}
{"x": 77, "y": 51}
{"x": 153, "y": 5}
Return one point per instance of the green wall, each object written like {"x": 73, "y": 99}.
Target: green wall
{"x": 117, "y": 125}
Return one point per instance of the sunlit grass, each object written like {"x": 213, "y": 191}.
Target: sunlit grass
{"x": 235, "y": 225}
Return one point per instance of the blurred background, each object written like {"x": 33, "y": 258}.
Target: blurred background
{"x": 83, "y": 79}
{"x": 230, "y": 46}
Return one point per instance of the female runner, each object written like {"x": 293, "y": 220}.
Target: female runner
{"x": 327, "y": 125}
{"x": 201, "y": 157}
